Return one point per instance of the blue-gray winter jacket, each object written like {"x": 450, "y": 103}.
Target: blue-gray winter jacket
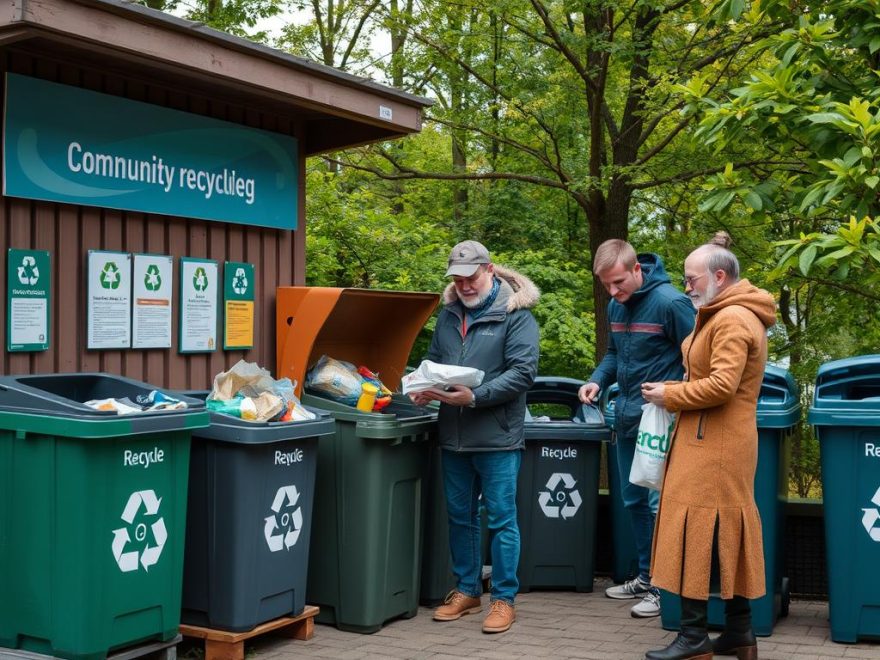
{"x": 644, "y": 345}
{"x": 503, "y": 342}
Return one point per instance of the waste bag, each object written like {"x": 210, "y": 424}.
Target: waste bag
{"x": 366, "y": 547}
{"x": 846, "y": 415}
{"x": 92, "y": 515}
{"x": 249, "y": 520}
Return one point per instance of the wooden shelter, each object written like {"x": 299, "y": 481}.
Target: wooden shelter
{"x": 127, "y": 50}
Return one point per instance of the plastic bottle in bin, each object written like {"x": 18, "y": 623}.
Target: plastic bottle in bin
{"x": 368, "y": 397}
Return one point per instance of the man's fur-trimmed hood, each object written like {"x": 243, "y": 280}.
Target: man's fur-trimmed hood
{"x": 521, "y": 291}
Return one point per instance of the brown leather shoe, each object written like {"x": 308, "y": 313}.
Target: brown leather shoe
{"x": 456, "y": 606}
{"x": 500, "y": 617}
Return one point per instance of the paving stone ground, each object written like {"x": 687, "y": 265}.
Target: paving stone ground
{"x": 553, "y": 624}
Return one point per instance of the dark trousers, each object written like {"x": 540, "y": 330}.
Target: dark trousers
{"x": 737, "y": 610}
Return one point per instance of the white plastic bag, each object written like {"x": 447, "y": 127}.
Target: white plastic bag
{"x": 652, "y": 446}
{"x": 432, "y": 374}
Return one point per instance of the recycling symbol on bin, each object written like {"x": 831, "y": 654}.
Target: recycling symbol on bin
{"x": 560, "y": 497}
{"x": 141, "y": 515}
{"x": 110, "y": 276}
{"x": 152, "y": 278}
{"x": 239, "y": 282}
{"x": 870, "y": 517}
{"x": 28, "y": 273}
{"x": 283, "y": 526}
{"x": 200, "y": 279}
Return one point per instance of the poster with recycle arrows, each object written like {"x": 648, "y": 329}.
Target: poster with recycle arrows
{"x": 109, "y": 300}
{"x": 151, "y": 313}
{"x": 27, "y": 300}
{"x": 198, "y": 305}
{"x": 238, "y": 308}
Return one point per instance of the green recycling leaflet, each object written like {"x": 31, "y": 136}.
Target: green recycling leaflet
{"x": 198, "y": 305}
{"x": 27, "y": 300}
{"x": 109, "y": 300}
{"x": 151, "y": 312}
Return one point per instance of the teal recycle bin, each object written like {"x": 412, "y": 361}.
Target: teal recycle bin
{"x": 846, "y": 415}
{"x": 778, "y": 413}
{"x": 557, "y": 489}
{"x": 624, "y": 559}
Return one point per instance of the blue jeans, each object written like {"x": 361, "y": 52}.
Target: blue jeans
{"x": 640, "y": 502}
{"x": 467, "y": 475}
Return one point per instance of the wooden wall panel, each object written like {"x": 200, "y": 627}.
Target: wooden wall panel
{"x": 69, "y": 232}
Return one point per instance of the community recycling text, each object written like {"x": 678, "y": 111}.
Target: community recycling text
{"x": 157, "y": 172}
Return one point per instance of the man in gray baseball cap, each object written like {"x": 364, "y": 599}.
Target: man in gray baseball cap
{"x": 466, "y": 258}
{"x": 486, "y": 323}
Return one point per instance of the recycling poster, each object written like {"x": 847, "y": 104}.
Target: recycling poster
{"x": 27, "y": 300}
{"x": 238, "y": 295}
{"x": 198, "y": 305}
{"x": 109, "y": 300}
{"x": 151, "y": 313}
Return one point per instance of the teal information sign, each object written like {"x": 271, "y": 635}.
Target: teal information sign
{"x": 238, "y": 306}
{"x": 27, "y": 300}
{"x": 67, "y": 144}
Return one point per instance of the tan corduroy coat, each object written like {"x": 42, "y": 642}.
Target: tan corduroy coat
{"x": 710, "y": 471}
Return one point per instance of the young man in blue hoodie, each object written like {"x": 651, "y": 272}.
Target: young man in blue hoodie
{"x": 648, "y": 319}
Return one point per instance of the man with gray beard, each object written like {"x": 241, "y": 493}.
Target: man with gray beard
{"x": 485, "y": 324}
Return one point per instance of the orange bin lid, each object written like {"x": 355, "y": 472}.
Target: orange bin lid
{"x": 366, "y": 327}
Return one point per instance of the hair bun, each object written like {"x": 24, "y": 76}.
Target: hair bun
{"x": 721, "y": 239}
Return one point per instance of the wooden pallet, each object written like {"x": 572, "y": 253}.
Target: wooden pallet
{"x": 224, "y": 645}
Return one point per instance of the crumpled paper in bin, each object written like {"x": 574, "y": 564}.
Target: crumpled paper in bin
{"x": 271, "y": 398}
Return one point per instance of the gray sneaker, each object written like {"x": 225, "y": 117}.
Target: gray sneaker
{"x": 649, "y": 606}
{"x": 635, "y": 588}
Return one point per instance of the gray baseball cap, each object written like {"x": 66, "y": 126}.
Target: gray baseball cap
{"x": 466, "y": 258}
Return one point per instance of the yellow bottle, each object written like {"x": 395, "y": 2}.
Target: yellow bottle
{"x": 368, "y": 397}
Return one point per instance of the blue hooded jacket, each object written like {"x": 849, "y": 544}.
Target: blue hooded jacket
{"x": 644, "y": 345}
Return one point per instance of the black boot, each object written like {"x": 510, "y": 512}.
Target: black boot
{"x": 737, "y": 638}
{"x": 692, "y": 641}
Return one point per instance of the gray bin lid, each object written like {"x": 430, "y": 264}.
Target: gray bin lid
{"x": 226, "y": 428}
{"x": 63, "y": 396}
{"x": 586, "y": 423}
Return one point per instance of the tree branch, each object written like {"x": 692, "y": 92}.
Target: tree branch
{"x": 562, "y": 47}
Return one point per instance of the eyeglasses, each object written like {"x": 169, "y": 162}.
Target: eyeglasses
{"x": 688, "y": 280}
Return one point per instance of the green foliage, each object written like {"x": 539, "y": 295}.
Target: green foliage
{"x": 237, "y": 17}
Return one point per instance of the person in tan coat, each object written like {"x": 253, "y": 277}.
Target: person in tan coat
{"x": 708, "y": 528}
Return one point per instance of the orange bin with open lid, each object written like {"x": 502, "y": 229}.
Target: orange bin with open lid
{"x": 363, "y": 326}
{"x": 366, "y": 545}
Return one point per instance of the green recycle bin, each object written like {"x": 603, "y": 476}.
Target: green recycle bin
{"x": 249, "y": 523}
{"x": 624, "y": 559}
{"x": 558, "y": 490}
{"x": 366, "y": 548}
{"x": 92, "y": 515}
{"x": 846, "y": 415}
{"x": 365, "y": 557}
{"x": 778, "y": 413}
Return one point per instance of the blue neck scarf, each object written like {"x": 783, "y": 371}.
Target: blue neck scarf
{"x": 473, "y": 313}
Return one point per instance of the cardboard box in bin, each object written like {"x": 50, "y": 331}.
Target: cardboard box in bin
{"x": 363, "y": 326}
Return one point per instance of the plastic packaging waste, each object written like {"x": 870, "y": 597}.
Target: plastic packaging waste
{"x": 433, "y": 374}
{"x": 151, "y": 402}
